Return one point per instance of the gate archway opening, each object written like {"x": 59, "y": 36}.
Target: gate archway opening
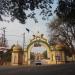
{"x": 37, "y": 42}
{"x": 38, "y": 54}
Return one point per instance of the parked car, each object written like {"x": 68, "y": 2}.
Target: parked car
{"x": 38, "y": 62}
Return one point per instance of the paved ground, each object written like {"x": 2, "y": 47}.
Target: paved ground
{"x": 66, "y": 69}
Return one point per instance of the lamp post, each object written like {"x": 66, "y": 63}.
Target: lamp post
{"x": 23, "y": 40}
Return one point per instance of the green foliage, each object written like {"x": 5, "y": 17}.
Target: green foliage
{"x": 6, "y": 57}
{"x": 66, "y": 10}
{"x": 63, "y": 27}
{"x": 32, "y": 56}
{"x": 45, "y": 54}
{"x": 16, "y": 8}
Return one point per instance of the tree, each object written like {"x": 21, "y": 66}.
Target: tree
{"x": 4, "y": 5}
{"x": 45, "y": 54}
{"x": 66, "y": 10}
{"x": 17, "y": 8}
{"x": 67, "y": 15}
{"x": 61, "y": 34}
{"x": 7, "y": 56}
{"x": 63, "y": 26}
{"x": 32, "y": 55}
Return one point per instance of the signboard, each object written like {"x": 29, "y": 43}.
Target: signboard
{"x": 37, "y": 44}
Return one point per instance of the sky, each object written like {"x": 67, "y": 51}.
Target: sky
{"x": 15, "y": 30}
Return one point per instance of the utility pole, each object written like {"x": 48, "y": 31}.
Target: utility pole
{"x": 23, "y": 40}
{"x": 3, "y": 37}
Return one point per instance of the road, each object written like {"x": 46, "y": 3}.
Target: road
{"x": 64, "y": 69}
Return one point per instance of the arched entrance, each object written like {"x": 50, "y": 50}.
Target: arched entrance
{"x": 54, "y": 56}
{"x": 38, "y": 41}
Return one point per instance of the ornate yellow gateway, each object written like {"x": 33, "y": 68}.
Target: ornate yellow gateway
{"x": 20, "y": 56}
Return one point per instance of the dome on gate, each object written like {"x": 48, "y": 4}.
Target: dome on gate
{"x": 17, "y": 48}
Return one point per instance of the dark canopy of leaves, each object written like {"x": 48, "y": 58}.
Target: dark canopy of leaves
{"x": 16, "y": 8}
{"x": 66, "y": 10}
